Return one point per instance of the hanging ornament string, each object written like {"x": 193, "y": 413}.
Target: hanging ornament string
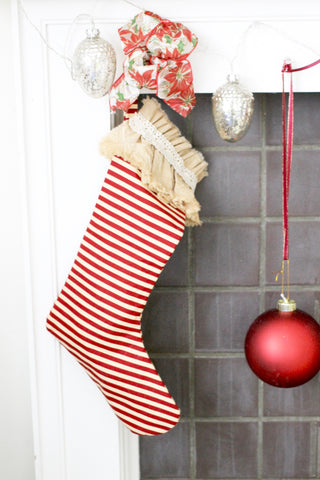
{"x": 287, "y": 143}
{"x": 88, "y": 18}
{"x": 287, "y": 137}
{"x": 287, "y": 140}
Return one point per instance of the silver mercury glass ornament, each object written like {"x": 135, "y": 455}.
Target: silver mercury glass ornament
{"x": 232, "y": 109}
{"x": 94, "y": 64}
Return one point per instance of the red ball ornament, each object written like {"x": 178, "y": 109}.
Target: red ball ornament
{"x": 282, "y": 346}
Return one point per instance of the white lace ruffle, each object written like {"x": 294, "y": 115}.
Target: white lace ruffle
{"x": 151, "y": 134}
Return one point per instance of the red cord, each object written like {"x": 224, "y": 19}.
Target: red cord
{"x": 287, "y": 141}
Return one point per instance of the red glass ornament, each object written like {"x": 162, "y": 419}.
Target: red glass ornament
{"x": 283, "y": 347}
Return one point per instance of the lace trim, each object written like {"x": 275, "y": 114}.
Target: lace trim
{"x": 151, "y": 134}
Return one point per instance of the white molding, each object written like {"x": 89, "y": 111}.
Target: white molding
{"x": 35, "y": 386}
{"x": 26, "y": 234}
{"x": 47, "y": 379}
{"x": 53, "y": 249}
{"x": 129, "y": 454}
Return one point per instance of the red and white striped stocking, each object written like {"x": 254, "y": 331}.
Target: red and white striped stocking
{"x": 97, "y": 316}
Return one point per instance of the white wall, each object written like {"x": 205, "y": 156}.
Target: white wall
{"x": 16, "y": 443}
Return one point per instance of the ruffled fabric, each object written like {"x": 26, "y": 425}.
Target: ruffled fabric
{"x": 157, "y": 174}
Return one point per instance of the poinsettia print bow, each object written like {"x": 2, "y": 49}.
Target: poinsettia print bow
{"x": 156, "y": 52}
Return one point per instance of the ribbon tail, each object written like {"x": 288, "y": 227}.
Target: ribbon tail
{"x": 175, "y": 86}
{"x": 122, "y": 94}
{"x": 182, "y": 104}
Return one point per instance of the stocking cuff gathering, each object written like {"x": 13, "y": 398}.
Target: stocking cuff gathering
{"x": 168, "y": 164}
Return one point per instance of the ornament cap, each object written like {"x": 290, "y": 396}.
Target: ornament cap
{"x": 285, "y": 305}
{"x": 92, "y": 32}
{"x": 233, "y": 78}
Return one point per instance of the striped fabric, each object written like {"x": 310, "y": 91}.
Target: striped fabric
{"x": 97, "y": 315}
{"x": 131, "y": 110}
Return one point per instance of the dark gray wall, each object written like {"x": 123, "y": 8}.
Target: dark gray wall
{"x": 217, "y": 282}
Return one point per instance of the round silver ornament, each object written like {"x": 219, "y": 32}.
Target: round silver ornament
{"x": 94, "y": 64}
{"x": 232, "y": 110}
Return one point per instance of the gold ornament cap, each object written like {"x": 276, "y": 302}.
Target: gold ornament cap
{"x": 285, "y": 305}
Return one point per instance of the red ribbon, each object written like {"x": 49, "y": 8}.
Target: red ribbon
{"x": 287, "y": 142}
{"x": 287, "y": 67}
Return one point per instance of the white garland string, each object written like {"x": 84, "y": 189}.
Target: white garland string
{"x": 240, "y": 46}
{"x": 134, "y": 5}
{"x": 282, "y": 34}
{"x": 67, "y": 60}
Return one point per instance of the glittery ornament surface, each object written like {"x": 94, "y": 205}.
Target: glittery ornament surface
{"x": 94, "y": 64}
{"x": 232, "y": 110}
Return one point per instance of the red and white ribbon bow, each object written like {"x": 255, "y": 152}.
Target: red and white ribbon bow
{"x": 157, "y": 51}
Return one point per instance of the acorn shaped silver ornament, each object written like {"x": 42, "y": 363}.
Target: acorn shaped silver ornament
{"x": 232, "y": 109}
{"x": 94, "y": 64}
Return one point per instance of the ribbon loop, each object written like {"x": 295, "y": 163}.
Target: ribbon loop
{"x": 157, "y": 52}
{"x": 138, "y": 71}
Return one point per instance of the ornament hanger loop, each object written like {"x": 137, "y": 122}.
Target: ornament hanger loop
{"x": 278, "y": 273}
{"x": 76, "y": 20}
{"x": 287, "y": 68}
{"x": 285, "y": 277}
